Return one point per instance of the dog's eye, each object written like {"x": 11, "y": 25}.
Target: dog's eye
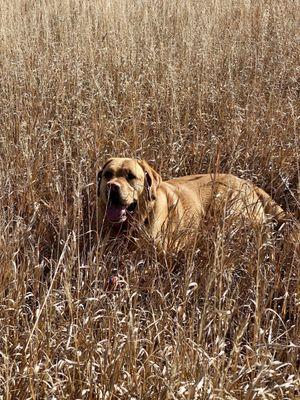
{"x": 130, "y": 176}
{"x": 108, "y": 175}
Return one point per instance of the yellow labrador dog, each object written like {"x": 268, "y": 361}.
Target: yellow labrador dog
{"x": 131, "y": 193}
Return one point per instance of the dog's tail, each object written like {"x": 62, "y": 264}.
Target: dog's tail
{"x": 271, "y": 207}
{"x": 285, "y": 221}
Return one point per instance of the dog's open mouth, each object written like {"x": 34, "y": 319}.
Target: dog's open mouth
{"x": 118, "y": 213}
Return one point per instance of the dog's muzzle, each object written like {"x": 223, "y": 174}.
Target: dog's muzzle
{"x": 117, "y": 211}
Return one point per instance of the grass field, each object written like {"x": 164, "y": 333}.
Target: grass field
{"x": 192, "y": 87}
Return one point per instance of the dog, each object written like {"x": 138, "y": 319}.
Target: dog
{"x": 132, "y": 195}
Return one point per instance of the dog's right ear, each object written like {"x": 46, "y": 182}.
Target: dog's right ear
{"x": 99, "y": 176}
{"x": 152, "y": 179}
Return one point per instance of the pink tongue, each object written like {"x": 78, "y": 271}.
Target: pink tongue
{"x": 116, "y": 213}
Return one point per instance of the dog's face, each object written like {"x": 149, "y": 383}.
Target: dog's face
{"x": 123, "y": 183}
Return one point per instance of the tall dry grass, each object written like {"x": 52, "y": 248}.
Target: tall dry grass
{"x": 196, "y": 87}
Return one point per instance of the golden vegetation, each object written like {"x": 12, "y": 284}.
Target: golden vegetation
{"x": 197, "y": 87}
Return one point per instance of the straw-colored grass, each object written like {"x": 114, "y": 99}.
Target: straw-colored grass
{"x": 195, "y": 87}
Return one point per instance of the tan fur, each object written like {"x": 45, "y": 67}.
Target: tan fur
{"x": 179, "y": 205}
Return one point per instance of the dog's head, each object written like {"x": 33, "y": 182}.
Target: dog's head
{"x": 124, "y": 186}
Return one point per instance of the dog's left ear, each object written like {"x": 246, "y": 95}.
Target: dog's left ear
{"x": 152, "y": 179}
{"x": 99, "y": 176}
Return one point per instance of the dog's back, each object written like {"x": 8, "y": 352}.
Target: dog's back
{"x": 241, "y": 196}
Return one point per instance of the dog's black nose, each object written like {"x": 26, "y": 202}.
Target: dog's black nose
{"x": 113, "y": 187}
{"x": 113, "y": 192}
